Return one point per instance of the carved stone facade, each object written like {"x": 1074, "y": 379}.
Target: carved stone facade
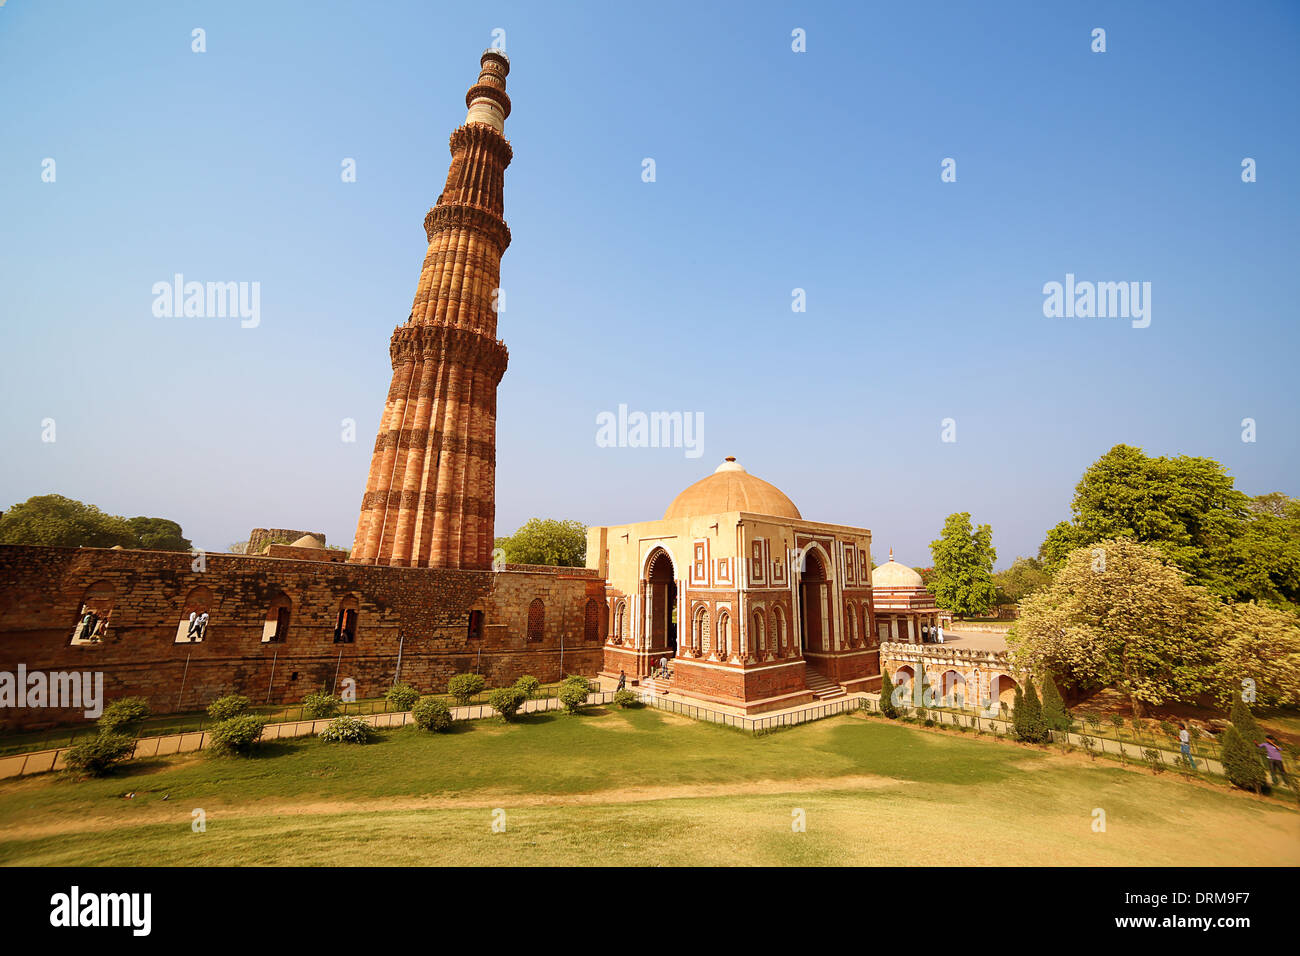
{"x": 970, "y": 676}
{"x": 430, "y": 496}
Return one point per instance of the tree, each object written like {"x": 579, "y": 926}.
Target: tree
{"x": 1028, "y": 720}
{"x": 1244, "y": 721}
{"x": 1023, "y": 578}
{"x": 59, "y": 522}
{"x": 1256, "y": 646}
{"x": 962, "y": 580}
{"x": 158, "y": 534}
{"x": 547, "y": 541}
{"x": 1055, "y": 713}
{"x": 1188, "y": 508}
{"x": 1241, "y": 763}
{"x": 1119, "y": 614}
{"x": 887, "y": 696}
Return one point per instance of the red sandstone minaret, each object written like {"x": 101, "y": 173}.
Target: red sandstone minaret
{"x": 430, "y": 499}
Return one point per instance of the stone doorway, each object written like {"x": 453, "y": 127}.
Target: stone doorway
{"x": 812, "y": 592}
{"x": 661, "y": 604}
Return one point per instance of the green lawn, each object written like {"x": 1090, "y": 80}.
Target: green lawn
{"x": 642, "y": 787}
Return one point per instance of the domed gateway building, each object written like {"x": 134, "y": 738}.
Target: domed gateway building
{"x": 753, "y": 605}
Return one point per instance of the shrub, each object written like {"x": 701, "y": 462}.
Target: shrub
{"x": 573, "y": 695}
{"x": 318, "y": 705}
{"x": 347, "y": 730}
{"x": 887, "y": 696}
{"x": 402, "y": 696}
{"x": 625, "y": 698}
{"x": 1152, "y": 757}
{"x": 1241, "y": 718}
{"x": 1093, "y": 720}
{"x": 1029, "y": 721}
{"x": 232, "y": 705}
{"x": 506, "y": 701}
{"x": 1168, "y": 729}
{"x": 1055, "y": 714}
{"x": 432, "y": 713}
{"x": 123, "y": 715}
{"x": 97, "y": 756}
{"x": 1090, "y": 745}
{"x": 236, "y": 735}
{"x": 1241, "y": 763}
{"x": 530, "y": 685}
{"x": 463, "y": 687}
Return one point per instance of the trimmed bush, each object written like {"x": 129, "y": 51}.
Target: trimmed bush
{"x": 506, "y": 701}
{"x": 236, "y": 736}
{"x": 347, "y": 730}
{"x": 1241, "y": 763}
{"x": 573, "y": 695}
{"x": 402, "y": 696}
{"x": 1028, "y": 719}
{"x": 1055, "y": 714}
{"x": 1241, "y": 718}
{"x": 463, "y": 687}
{"x": 124, "y": 715}
{"x": 530, "y": 685}
{"x": 432, "y": 713}
{"x": 232, "y": 705}
{"x": 625, "y": 698}
{"x": 316, "y": 706}
{"x": 887, "y": 696}
{"x": 97, "y": 756}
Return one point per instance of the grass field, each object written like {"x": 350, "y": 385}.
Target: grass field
{"x": 642, "y": 787}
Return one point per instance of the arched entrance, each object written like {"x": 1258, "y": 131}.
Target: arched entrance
{"x": 812, "y": 609}
{"x": 661, "y": 603}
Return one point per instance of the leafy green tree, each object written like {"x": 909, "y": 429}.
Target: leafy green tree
{"x": 547, "y": 541}
{"x": 962, "y": 580}
{"x": 1188, "y": 508}
{"x": 1241, "y": 763}
{"x": 1257, "y": 646}
{"x": 1118, "y": 614}
{"x": 56, "y": 521}
{"x": 1028, "y": 720}
{"x": 1023, "y": 578}
{"x": 1244, "y": 721}
{"x": 1055, "y": 713}
{"x": 158, "y": 534}
{"x": 887, "y": 696}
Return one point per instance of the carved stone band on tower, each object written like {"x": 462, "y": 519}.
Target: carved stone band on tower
{"x": 430, "y": 498}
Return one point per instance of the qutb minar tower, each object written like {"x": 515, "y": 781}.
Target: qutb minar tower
{"x": 430, "y": 497}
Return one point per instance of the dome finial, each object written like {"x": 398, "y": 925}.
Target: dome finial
{"x": 891, "y": 552}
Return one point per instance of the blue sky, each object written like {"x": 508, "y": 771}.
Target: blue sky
{"x": 775, "y": 170}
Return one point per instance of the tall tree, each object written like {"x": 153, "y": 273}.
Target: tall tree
{"x": 158, "y": 534}
{"x": 1120, "y": 614}
{"x": 962, "y": 580}
{"x": 547, "y": 541}
{"x": 1187, "y": 507}
{"x": 1257, "y": 647}
{"x": 1023, "y": 578}
{"x": 56, "y": 521}
{"x": 1055, "y": 713}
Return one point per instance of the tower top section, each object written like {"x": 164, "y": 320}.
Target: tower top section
{"x": 487, "y": 100}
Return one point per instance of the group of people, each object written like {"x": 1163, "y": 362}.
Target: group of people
{"x": 198, "y": 627}
{"x": 91, "y": 627}
{"x": 1272, "y": 753}
{"x": 932, "y": 635}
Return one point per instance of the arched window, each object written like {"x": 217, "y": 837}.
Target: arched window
{"x": 345, "y": 625}
{"x": 91, "y": 625}
{"x": 778, "y": 631}
{"x": 620, "y": 612}
{"x": 193, "y": 626}
{"x": 536, "y": 620}
{"x": 591, "y": 620}
{"x": 475, "y": 629}
{"x": 700, "y": 631}
{"x": 724, "y": 635}
{"x": 276, "y": 628}
{"x": 850, "y": 622}
{"x": 759, "y": 637}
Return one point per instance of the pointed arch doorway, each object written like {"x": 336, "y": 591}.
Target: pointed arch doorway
{"x": 812, "y": 604}
{"x": 661, "y": 604}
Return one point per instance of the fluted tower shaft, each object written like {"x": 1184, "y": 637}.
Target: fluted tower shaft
{"x": 430, "y": 498}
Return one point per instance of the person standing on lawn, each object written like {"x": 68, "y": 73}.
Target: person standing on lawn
{"x": 1185, "y": 745}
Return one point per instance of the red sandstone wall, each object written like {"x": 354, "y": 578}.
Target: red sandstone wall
{"x": 41, "y": 591}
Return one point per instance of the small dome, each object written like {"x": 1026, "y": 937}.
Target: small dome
{"x": 894, "y": 575}
{"x": 308, "y": 541}
{"x": 732, "y": 488}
